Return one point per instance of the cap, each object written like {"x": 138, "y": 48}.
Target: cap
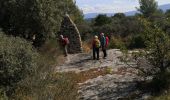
{"x": 96, "y": 37}
{"x": 102, "y": 34}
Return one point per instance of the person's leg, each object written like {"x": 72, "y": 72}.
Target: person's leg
{"x": 65, "y": 50}
{"x": 103, "y": 51}
{"x": 94, "y": 53}
{"x": 97, "y": 51}
{"x": 105, "y": 54}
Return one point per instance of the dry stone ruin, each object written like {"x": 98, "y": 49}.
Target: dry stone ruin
{"x": 69, "y": 29}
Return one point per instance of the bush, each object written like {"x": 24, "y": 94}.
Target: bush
{"x": 44, "y": 86}
{"x": 87, "y": 46}
{"x": 3, "y": 95}
{"x": 116, "y": 43}
{"x": 136, "y": 41}
{"x": 17, "y": 60}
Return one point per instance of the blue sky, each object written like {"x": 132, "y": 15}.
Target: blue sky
{"x": 110, "y": 6}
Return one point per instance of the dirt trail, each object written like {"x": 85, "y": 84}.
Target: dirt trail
{"x": 119, "y": 85}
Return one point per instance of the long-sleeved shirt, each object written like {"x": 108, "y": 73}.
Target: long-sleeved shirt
{"x": 103, "y": 41}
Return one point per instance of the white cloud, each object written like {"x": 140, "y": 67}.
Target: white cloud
{"x": 101, "y": 8}
{"x": 111, "y": 6}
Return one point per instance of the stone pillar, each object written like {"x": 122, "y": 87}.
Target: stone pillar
{"x": 69, "y": 29}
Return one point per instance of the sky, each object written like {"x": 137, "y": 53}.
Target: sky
{"x": 111, "y": 6}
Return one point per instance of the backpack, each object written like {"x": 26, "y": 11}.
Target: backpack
{"x": 107, "y": 41}
{"x": 97, "y": 44}
{"x": 65, "y": 41}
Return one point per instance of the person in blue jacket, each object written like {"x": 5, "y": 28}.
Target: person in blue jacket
{"x": 103, "y": 44}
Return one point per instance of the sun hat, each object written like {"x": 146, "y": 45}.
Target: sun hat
{"x": 96, "y": 37}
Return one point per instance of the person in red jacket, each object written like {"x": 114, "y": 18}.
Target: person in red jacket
{"x": 64, "y": 44}
{"x": 107, "y": 41}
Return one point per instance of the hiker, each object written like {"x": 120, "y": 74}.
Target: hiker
{"x": 103, "y": 44}
{"x": 96, "y": 46}
{"x": 107, "y": 42}
{"x": 64, "y": 44}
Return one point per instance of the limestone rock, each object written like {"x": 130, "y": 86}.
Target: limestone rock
{"x": 119, "y": 84}
{"x": 69, "y": 29}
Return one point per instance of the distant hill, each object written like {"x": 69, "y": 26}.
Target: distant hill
{"x": 93, "y": 15}
{"x": 164, "y": 7}
{"x": 130, "y": 13}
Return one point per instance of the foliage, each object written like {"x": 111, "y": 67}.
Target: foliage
{"x": 136, "y": 41}
{"x": 102, "y": 20}
{"x": 118, "y": 26}
{"x": 3, "y": 95}
{"x": 17, "y": 60}
{"x": 154, "y": 59}
{"x": 116, "y": 42}
{"x": 148, "y": 7}
{"x": 119, "y": 15}
{"x": 167, "y": 13}
{"x": 47, "y": 85}
{"x": 157, "y": 46}
{"x": 35, "y": 20}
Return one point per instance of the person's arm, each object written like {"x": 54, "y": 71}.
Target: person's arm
{"x": 93, "y": 43}
{"x": 104, "y": 41}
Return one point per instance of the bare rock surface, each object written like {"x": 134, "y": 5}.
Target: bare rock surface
{"x": 82, "y": 62}
{"x": 119, "y": 84}
{"x": 111, "y": 87}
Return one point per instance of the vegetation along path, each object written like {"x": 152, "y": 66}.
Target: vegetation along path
{"x": 117, "y": 82}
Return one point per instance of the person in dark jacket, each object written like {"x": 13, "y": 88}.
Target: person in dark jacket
{"x": 103, "y": 44}
{"x": 96, "y": 46}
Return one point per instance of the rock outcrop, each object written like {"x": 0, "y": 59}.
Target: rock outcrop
{"x": 119, "y": 83}
{"x": 69, "y": 29}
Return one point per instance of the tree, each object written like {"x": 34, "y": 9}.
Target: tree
{"x": 120, "y": 15}
{"x": 168, "y": 13}
{"x": 157, "y": 51}
{"x": 35, "y": 20}
{"x": 148, "y": 7}
{"x": 102, "y": 20}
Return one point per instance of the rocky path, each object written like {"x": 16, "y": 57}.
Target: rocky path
{"x": 119, "y": 84}
{"x": 82, "y": 62}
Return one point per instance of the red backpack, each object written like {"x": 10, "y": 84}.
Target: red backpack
{"x": 66, "y": 41}
{"x": 107, "y": 41}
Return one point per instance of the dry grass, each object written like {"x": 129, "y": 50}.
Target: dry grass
{"x": 57, "y": 86}
{"x": 86, "y": 46}
{"x": 90, "y": 74}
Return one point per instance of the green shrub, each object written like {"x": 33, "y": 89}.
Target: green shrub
{"x": 116, "y": 43}
{"x": 136, "y": 41}
{"x": 3, "y": 95}
{"x": 17, "y": 60}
